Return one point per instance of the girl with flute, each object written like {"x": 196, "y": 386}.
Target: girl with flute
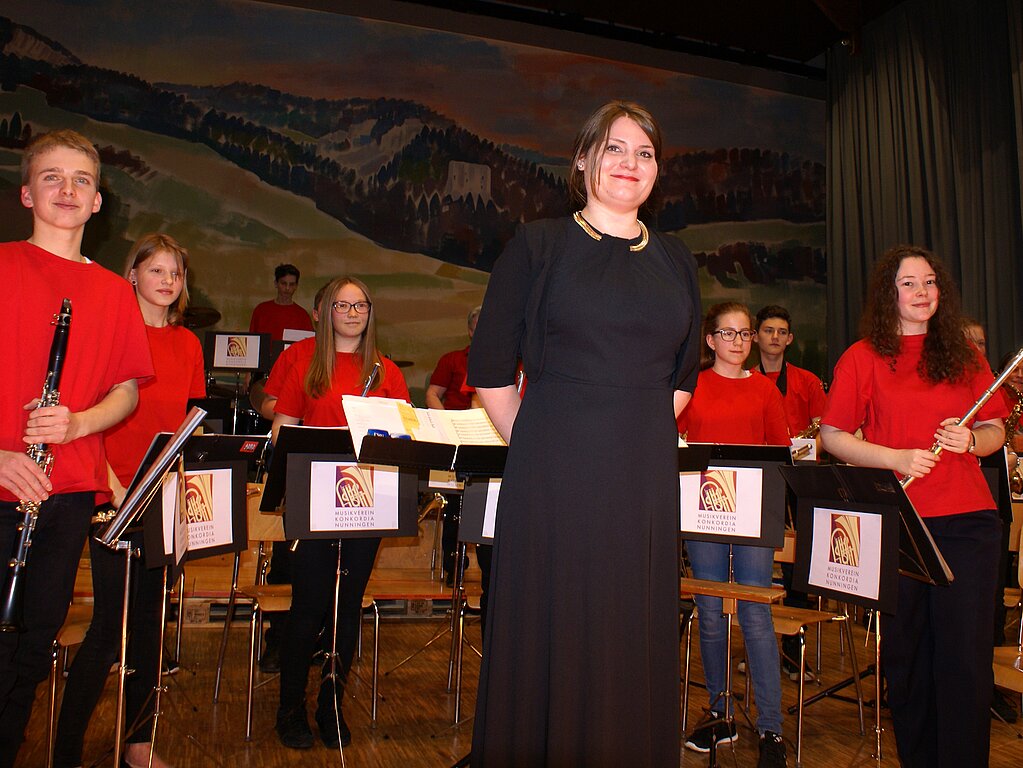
{"x": 905, "y": 384}
{"x": 343, "y": 361}
{"x": 157, "y": 268}
{"x": 733, "y": 405}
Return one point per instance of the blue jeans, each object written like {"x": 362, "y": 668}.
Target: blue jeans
{"x": 752, "y": 566}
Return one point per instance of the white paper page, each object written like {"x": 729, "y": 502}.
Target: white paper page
{"x": 473, "y": 427}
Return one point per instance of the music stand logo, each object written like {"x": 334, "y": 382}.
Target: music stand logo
{"x": 717, "y": 491}
{"x": 845, "y": 540}
{"x": 199, "y": 498}
{"x": 237, "y": 346}
{"x": 353, "y": 487}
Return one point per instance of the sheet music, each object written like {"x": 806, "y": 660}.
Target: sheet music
{"x": 396, "y": 417}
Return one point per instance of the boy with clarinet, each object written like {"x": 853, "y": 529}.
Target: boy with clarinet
{"x": 107, "y": 352}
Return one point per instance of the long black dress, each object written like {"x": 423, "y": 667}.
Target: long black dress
{"x": 580, "y": 662}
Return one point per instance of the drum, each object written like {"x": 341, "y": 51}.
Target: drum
{"x": 249, "y": 422}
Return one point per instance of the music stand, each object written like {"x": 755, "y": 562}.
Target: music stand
{"x": 854, "y": 524}
{"x": 239, "y": 352}
{"x": 333, "y": 497}
{"x": 738, "y": 499}
{"x": 146, "y": 483}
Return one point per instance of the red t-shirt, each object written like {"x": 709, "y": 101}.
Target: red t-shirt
{"x": 106, "y": 346}
{"x": 326, "y": 411}
{"x": 163, "y": 399}
{"x": 299, "y": 352}
{"x": 746, "y": 411}
{"x": 898, "y": 409}
{"x": 273, "y": 318}
{"x": 804, "y": 396}
{"x": 450, "y": 374}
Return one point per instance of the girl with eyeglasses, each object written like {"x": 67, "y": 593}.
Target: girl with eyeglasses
{"x": 340, "y": 363}
{"x": 737, "y": 406}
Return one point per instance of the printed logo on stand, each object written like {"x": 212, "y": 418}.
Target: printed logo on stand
{"x": 845, "y": 540}
{"x": 717, "y": 490}
{"x": 237, "y": 346}
{"x": 353, "y": 487}
{"x": 199, "y": 498}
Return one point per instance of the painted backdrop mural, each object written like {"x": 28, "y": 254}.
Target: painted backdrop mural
{"x": 257, "y": 134}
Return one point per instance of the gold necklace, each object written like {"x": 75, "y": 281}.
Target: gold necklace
{"x": 589, "y": 230}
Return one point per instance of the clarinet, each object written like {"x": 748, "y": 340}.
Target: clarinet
{"x": 975, "y": 408}
{"x": 11, "y": 602}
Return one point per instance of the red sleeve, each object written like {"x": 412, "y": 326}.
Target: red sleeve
{"x": 851, "y": 390}
{"x": 292, "y": 400}
{"x": 776, "y": 427}
{"x": 255, "y": 321}
{"x": 441, "y": 376}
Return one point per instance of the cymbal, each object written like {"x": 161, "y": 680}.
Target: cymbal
{"x": 403, "y": 363}
{"x": 201, "y": 317}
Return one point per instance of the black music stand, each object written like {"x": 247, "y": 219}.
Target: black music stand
{"x": 237, "y": 352}
{"x": 144, "y": 486}
{"x": 327, "y": 492}
{"x": 854, "y": 525}
{"x": 738, "y": 499}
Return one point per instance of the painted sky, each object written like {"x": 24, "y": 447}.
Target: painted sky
{"x": 517, "y": 94}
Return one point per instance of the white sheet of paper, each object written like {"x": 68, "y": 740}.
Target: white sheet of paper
{"x": 208, "y": 510}
{"x": 344, "y": 496}
{"x": 722, "y": 500}
{"x": 490, "y": 510}
{"x": 846, "y": 551}
{"x": 236, "y": 350}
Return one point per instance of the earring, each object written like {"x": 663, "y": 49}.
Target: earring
{"x": 580, "y": 166}
{"x": 134, "y": 282}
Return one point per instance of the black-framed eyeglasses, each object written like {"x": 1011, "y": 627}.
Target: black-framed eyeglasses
{"x": 729, "y": 334}
{"x": 342, "y": 307}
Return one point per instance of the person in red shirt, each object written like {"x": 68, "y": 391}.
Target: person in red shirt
{"x": 281, "y": 313}
{"x": 106, "y": 354}
{"x": 157, "y": 267}
{"x": 905, "y": 384}
{"x": 447, "y": 390}
{"x": 802, "y": 392}
{"x": 341, "y": 364}
{"x": 804, "y": 398}
{"x": 733, "y": 405}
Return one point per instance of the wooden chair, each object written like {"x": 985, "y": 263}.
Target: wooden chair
{"x": 72, "y": 633}
{"x": 1008, "y": 660}
{"x": 271, "y": 598}
{"x": 730, "y": 594}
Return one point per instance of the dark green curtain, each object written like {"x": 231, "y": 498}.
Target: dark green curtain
{"x": 924, "y": 127}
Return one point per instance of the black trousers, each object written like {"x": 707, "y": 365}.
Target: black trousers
{"x": 102, "y": 646}
{"x": 49, "y": 585}
{"x": 937, "y": 650}
{"x": 313, "y": 570}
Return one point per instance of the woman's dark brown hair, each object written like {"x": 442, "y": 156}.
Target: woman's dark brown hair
{"x": 710, "y": 324}
{"x": 589, "y": 143}
{"x": 948, "y": 356}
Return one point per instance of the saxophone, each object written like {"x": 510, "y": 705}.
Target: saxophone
{"x": 11, "y": 602}
{"x": 1011, "y": 425}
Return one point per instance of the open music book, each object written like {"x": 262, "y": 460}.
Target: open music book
{"x": 396, "y": 417}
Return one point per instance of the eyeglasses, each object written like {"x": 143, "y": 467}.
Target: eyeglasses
{"x": 729, "y": 334}
{"x": 342, "y": 307}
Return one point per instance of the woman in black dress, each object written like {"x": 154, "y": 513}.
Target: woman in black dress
{"x": 581, "y": 662}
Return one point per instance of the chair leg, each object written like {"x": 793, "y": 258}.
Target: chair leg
{"x": 227, "y": 626}
{"x": 253, "y": 630}
{"x": 685, "y": 680}
{"x": 802, "y": 685}
{"x": 51, "y": 724}
{"x": 376, "y": 661}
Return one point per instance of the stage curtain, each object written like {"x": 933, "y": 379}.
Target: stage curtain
{"x": 924, "y": 126}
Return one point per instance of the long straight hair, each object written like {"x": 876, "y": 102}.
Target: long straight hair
{"x": 146, "y": 247}
{"x": 320, "y": 376}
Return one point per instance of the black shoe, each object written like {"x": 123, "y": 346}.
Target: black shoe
{"x": 293, "y": 728}
{"x": 1001, "y": 707}
{"x": 717, "y": 732}
{"x": 270, "y": 663}
{"x": 329, "y": 727}
{"x": 772, "y": 751}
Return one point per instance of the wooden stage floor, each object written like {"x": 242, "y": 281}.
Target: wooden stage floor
{"x": 415, "y": 714}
